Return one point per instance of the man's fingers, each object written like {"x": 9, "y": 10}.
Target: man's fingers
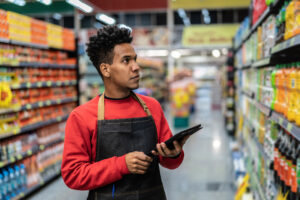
{"x": 166, "y": 149}
{"x": 144, "y": 157}
{"x": 177, "y": 146}
{"x": 160, "y": 150}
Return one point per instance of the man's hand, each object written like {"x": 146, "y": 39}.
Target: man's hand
{"x": 137, "y": 162}
{"x": 164, "y": 151}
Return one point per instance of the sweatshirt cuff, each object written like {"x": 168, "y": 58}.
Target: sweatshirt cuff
{"x": 122, "y": 165}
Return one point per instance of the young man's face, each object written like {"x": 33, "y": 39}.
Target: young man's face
{"x": 124, "y": 69}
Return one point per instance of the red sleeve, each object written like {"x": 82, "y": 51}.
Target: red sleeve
{"x": 78, "y": 172}
{"x": 163, "y": 135}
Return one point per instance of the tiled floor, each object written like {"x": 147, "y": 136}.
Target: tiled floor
{"x": 206, "y": 172}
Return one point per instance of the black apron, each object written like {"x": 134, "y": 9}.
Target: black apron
{"x": 118, "y": 137}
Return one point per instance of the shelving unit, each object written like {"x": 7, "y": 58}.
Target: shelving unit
{"x": 42, "y": 86}
{"x": 256, "y": 57}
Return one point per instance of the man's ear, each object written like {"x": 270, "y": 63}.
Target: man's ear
{"x": 105, "y": 69}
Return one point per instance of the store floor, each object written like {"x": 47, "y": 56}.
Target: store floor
{"x": 206, "y": 172}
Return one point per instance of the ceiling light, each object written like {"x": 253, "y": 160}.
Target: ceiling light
{"x": 216, "y": 53}
{"x": 80, "y": 5}
{"x": 175, "y": 54}
{"x": 224, "y": 51}
{"x": 57, "y": 16}
{"x": 153, "y": 53}
{"x": 17, "y": 2}
{"x": 105, "y": 19}
{"x": 46, "y": 2}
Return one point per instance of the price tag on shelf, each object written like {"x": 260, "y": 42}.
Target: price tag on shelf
{"x": 28, "y": 106}
{"x": 289, "y": 127}
{"x": 39, "y": 84}
{"x": 16, "y": 131}
{"x": 293, "y": 40}
{"x": 58, "y": 101}
{"x": 67, "y": 82}
{"x": 19, "y": 156}
{"x": 281, "y": 121}
{"x": 42, "y": 147}
{"x": 28, "y": 85}
{"x": 48, "y": 103}
{"x": 12, "y": 159}
{"x": 49, "y": 83}
{"x": 29, "y": 152}
{"x": 42, "y": 182}
{"x": 59, "y": 83}
{"x": 73, "y": 81}
{"x": 22, "y": 194}
{"x": 59, "y": 118}
{"x": 1, "y": 164}
{"x": 40, "y": 104}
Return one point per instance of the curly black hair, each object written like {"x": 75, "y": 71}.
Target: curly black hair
{"x": 101, "y": 46}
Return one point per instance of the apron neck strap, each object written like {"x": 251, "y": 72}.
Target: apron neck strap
{"x": 136, "y": 97}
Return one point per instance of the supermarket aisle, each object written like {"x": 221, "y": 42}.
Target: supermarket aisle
{"x": 205, "y": 173}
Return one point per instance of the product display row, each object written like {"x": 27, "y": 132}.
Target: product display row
{"x": 38, "y": 90}
{"x": 267, "y": 81}
{"x": 20, "y": 28}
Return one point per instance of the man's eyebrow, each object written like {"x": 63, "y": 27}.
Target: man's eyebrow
{"x": 130, "y": 57}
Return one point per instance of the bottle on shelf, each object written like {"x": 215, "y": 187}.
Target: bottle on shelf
{"x": 291, "y": 114}
{"x": 297, "y": 118}
{"x": 294, "y": 184}
{"x": 274, "y": 86}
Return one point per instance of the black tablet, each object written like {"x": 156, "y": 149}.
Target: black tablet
{"x": 179, "y": 136}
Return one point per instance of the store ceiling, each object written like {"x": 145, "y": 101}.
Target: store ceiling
{"x": 128, "y": 5}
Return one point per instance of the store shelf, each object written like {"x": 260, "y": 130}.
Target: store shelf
{"x": 279, "y": 119}
{"x": 38, "y": 186}
{"x": 32, "y": 151}
{"x": 249, "y": 94}
{"x": 40, "y": 65}
{"x": 39, "y": 105}
{"x": 284, "y": 123}
{"x": 261, "y": 63}
{"x": 35, "y": 126}
{"x": 26, "y": 44}
{"x": 41, "y": 84}
{"x": 32, "y": 45}
{"x": 264, "y": 109}
{"x": 286, "y": 45}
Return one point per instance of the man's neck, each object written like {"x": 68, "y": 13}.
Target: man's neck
{"x": 116, "y": 94}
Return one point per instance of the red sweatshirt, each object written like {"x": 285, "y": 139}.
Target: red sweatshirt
{"x": 79, "y": 169}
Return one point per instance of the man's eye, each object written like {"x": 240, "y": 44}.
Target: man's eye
{"x": 126, "y": 60}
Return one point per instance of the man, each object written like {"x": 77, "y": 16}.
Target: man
{"x": 108, "y": 140}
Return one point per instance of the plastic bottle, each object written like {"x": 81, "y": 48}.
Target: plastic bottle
{"x": 291, "y": 115}
{"x": 296, "y": 29}
{"x": 294, "y": 184}
{"x": 274, "y": 86}
{"x": 281, "y": 163}
{"x": 18, "y": 181}
{"x": 280, "y": 97}
{"x": 23, "y": 177}
{"x": 12, "y": 184}
{"x": 286, "y": 72}
{"x": 277, "y": 158}
{"x": 1, "y": 187}
{"x": 289, "y": 20}
{"x": 288, "y": 165}
{"x": 7, "y": 188}
{"x": 298, "y": 94}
